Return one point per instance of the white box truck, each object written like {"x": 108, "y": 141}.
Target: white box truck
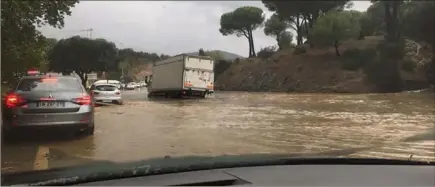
{"x": 182, "y": 75}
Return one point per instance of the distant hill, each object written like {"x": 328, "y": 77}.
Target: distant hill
{"x": 222, "y": 54}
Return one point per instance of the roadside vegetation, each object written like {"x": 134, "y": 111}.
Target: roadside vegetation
{"x": 388, "y": 47}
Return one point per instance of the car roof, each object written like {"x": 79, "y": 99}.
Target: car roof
{"x": 105, "y": 84}
{"x": 45, "y": 76}
{"x": 109, "y": 81}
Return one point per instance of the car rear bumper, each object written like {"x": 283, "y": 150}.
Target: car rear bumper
{"x": 105, "y": 98}
{"x": 79, "y": 120}
{"x": 51, "y": 126}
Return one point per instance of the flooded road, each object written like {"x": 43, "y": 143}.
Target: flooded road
{"x": 368, "y": 125}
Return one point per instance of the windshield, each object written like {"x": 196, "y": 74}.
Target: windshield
{"x": 216, "y": 78}
{"x": 51, "y": 84}
{"x": 105, "y": 87}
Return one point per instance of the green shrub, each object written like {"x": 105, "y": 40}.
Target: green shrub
{"x": 408, "y": 65}
{"x": 351, "y": 65}
{"x": 392, "y": 50}
{"x": 299, "y": 50}
{"x": 429, "y": 69}
{"x": 354, "y": 58}
{"x": 368, "y": 55}
{"x": 266, "y": 52}
{"x": 383, "y": 75}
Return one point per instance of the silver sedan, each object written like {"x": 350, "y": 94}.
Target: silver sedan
{"x": 106, "y": 93}
{"x": 42, "y": 102}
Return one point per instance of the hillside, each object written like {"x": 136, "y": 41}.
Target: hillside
{"x": 227, "y": 56}
{"x": 317, "y": 70}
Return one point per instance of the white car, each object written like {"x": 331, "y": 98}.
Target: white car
{"x": 106, "y": 93}
{"x": 131, "y": 86}
{"x": 142, "y": 84}
{"x": 115, "y": 82}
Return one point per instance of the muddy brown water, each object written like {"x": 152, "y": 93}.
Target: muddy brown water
{"x": 373, "y": 125}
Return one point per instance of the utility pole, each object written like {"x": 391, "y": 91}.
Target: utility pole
{"x": 90, "y": 30}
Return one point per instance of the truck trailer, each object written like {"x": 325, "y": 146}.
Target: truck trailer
{"x": 182, "y": 76}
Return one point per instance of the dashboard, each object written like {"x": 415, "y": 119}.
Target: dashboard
{"x": 300, "y": 175}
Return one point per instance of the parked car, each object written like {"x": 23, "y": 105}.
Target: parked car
{"x": 42, "y": 101}
{"x": 131, "y": 86}
{"x": 142, "y": 84}
{"x": 106, "y": 93}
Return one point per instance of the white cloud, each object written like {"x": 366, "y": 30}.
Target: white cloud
{"x": 162, "y": 26}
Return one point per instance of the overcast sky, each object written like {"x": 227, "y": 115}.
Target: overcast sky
{"x": 163, "y": 26}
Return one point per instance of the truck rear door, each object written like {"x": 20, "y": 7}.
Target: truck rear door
{"x": 198, "y": 73}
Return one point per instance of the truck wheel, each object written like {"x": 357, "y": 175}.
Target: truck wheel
{"x": 203, "y": 94}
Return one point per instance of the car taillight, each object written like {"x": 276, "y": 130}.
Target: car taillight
{"x": 85, "y": 100}
{"x": 118, "y": 93}
{"x": 13, "y": 100}
{"x": 95, "y": 93}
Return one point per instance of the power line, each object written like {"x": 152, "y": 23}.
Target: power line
{"x": 88, "y": 31}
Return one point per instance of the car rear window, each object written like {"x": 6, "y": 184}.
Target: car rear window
{"x": 106, "y": 87}
{"x": 51, "y": 84}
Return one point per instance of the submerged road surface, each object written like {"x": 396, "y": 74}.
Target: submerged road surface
{"x": 367, "y": 125}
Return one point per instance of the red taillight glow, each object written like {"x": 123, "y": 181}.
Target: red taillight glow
{"x": 32, "y": 72}
{"x": 85, "y": 100}
{"x": 13, "y": 100}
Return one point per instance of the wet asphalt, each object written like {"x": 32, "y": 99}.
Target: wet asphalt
{"x": 231, "y": 123}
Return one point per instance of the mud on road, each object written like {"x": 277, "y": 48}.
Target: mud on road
{"x": 369, "y": 125}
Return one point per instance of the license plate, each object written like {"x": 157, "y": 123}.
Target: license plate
{"x": 50, "y": 104}
{"x": 107, "y": 101}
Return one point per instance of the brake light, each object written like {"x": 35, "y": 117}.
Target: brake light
{"x": 85, "y": 100}
{"x": 13, "y": 100}
{"x": 32, "y": 72}
{"x": 95, "y": 93}
{"x": 118, "y": 93}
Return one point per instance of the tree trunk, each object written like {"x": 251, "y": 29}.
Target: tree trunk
{"x": 252, "y": 43}
{"x": 391, "y": 73}
{"x": 298, "y": 31}
{"x": 84, "y": 77}
{"x": 250, "y": 47}
{"x": 278, "y": 42}
{"x": 337, "y": 52}
{"x": 249, "y": 43}
{"x": 391, "y": 20}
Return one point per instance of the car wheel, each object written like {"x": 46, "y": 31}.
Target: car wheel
{"x": 89, "y": 130}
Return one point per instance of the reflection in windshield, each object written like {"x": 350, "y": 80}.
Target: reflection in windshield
{"x": 53, "y": 85}
{"x": 229, "y": 79}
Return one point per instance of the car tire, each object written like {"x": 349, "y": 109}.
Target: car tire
{"x": 90, "y": 130}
